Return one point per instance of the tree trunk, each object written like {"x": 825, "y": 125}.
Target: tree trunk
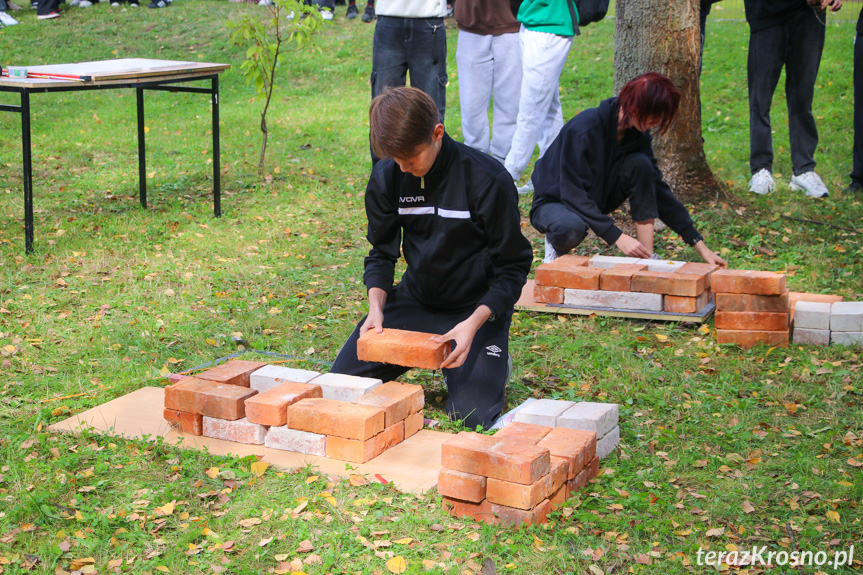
{"x": 664, "y": 36}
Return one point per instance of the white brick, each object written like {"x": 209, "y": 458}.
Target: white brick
{"x": 239, "y": 431}
{"x": 845, "y": 316}
{"x": 589, "y": 416}
{"x": 606, "y": 262}
{"x": 295, "y": 440}
{"x": 543, "y": 412}
{"x": 846, "y": 338}
{"x": 343, "y": 387}
{"x": 608, "y": 442}
{"x": 271, "y": 376}
{"x": 812, "y": 315}
{"x": 806, "y": 336}
{"x": 661, "y": 265}
{"x": 613, "y": 299}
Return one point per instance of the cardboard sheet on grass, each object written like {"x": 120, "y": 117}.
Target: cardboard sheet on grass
{"x": 412, "y": 466}
{"x": 527, "y": 303}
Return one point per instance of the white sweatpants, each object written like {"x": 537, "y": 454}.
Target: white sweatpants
{"x": 539, "y": 114}
{"x": 489, "y": 66}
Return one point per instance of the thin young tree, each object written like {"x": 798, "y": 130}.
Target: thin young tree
{"x": 289, "y": 27}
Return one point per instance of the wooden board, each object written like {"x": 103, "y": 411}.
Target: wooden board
{"x": 527, "y": 303}
{"x": 412, "y": 466}
{"x": 125, "y": 68}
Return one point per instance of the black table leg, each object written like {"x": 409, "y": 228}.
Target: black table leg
{"x": 28, "y": 172}
{"x": 142, "y": 149}
{"x": 217, "y": 181}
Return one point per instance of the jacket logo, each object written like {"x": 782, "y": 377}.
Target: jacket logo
{"x": 493, "y": 350}
{"x": 412, "y": 199}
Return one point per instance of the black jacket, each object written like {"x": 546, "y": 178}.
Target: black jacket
{"x": 576, "y": 171}
{"x": 461, "y": 233}
{"x": 763, "y": 14}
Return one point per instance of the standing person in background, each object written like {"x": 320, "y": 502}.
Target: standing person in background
{"x": 410, "y": 37}
{"x": 489, "y": 64}
{"x": 545, "y": 36}
{"x": 789, "y": 34}
{"x": 705, "y": 12}
{"x": 857, "y": 171}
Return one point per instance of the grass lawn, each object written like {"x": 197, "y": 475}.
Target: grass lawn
{"x": 720, "y": 448}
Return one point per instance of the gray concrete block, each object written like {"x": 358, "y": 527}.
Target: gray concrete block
{"x": 606, "y": 262}
{"x": 543, "y": 412}
{"x": 613, "y": 299}
{"x": 846, "y": 338}
{"x": 812, "y": 315}
{"x": 608, "y": 442}
{"x": 344, "y": 387}
{"x": 295, "y": 440}
{"x": 590, "y": 416}
{"x": 845, "y": 316}
{"x": 806, "y": 336}
{"x": 271, "y": 376}
{"x": 661, "y": 265}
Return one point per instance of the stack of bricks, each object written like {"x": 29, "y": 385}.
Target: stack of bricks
{"x": 828, "y": 320}
{"x": 516, "y": 476}
{"x": 623, "y": 283}
{"x": 751, "y": 307}
{"x": 599, "y": 418}
{"x": 344, "y": 417}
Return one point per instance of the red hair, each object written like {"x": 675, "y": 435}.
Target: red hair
{"x": 650, "y": 95}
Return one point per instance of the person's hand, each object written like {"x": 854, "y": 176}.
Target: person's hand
{"x": 709, "y": 256}
{"x": 375, "y": 318}
{"x": 834, "y": 5}
{"x": 463, "y": 334}
{"x": 631, "y": 247}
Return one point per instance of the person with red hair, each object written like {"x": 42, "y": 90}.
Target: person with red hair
{"x": 602, "y": 157}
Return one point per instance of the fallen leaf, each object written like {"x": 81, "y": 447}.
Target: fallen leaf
{"x": 305, "y": 546}
{"x": 213, "y": 472}
{"x": 357, "y": 480}
{"x": 853, "y": 462}
{"x": 747, "y": 507}
{"x": 833, "y": 516}
{"x": 251, "y": 521}
{"x": 715, "y": 532}
{"x": 397, "y": 564}
{"x": 259, "y": 468}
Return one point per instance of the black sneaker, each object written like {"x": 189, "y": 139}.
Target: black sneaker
{"x": 854, "y": 187}
{"x": 340, "y": 2}
{"x": 158, "y": 4}
{"x": 369, "y": 14}
{"x": 352, "y": 12}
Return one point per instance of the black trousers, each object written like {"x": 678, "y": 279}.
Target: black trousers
{"x": 476, "y": 389}
{"x": 47, "y": 6}
{"x": 857, "y": 171}
{"x": 630, "y": 177}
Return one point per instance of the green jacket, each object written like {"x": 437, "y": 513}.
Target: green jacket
{"x": 552, "y": 16}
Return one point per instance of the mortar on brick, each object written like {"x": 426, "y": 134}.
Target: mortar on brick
{"x": 607, "y": 262}
{"x": 613, "y": 299}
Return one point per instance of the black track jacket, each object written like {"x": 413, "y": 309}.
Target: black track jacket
{"x": 461, "y": 234}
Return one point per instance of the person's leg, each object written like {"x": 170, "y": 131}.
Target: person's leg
{"x": 506, "y": 53}
{"x": 425, "y": 45}
{"x": 477, "y": 389}
{"x": 47, "y": 7}
{"x": 633, "y": 177}
{"x": 805, "y": 45}
{"x": 764, "y": 65}
{"x": 563, "y": 228}
{"x": 473, "y": 56}
{"x": 389, "y": 59}
{"x": 857, "y": 170}
{"x": 542, "y": 58}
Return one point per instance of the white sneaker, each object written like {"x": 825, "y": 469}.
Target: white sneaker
{"x": 84, "y": 4}
{"x": 811, "y": 183}
{"x": 327, "y": 14}
{"x": 526, "y": 189}
{"x": 762, "y": 182}
{"x": 550, "y": 254}
{"x": 6, "y": 19}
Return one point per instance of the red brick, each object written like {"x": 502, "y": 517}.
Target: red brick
{"x": 669, "y": 283}
{"x": 239, "y": 431}
{"x": 559, "y": 472}
{"x": 270, "y": 407}
{"x": 527, "y": 431}
{"x": 401, "y": 347}
{"x": 496, "y": 514}
{"x": 234, "y": 372}
{"x": 576, "y": 446}
{"x": 484, "y": 455}
{"x": 461, "y": 485}
{"x": 519, "y": 495}
{"x": 560, "y": 274}
{"x": 751, "y": 320}
{"x": 547, "y": 294}
{"x": 683, "y": 304}
{"x": 191, "y": 423}
{"x": 619, "y": 277}
{"x": 577, "y": 483}
{"x": 593, "y": 468}
{"x": 480, "y": 511}
{"x": 746, "y": 338}
{"x": 559, "y": 498}
{"x": 698, "y": 269}
{"x": 398, "y": 400}
{"x": 222, "y": 401}
{"x": 749, "y": 302}
{"x": 336, "y": 418}
{"x": 414, "y": 423}
{"x": 357, "y": 451}
{"x": 748, "y": 281}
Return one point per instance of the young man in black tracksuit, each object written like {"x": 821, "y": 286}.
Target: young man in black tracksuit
{"x": 453, "y": 212}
